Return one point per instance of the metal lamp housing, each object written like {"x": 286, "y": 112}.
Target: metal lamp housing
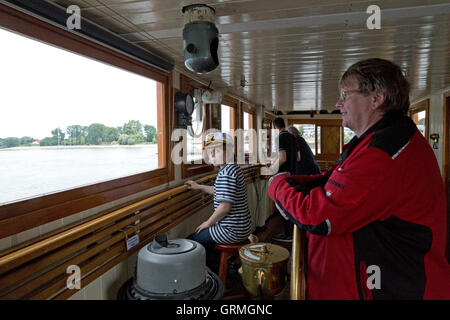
{"x": 200, "y": 39}
{"x": 184, "y": 106}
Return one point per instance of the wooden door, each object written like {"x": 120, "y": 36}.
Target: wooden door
{"x": 330, "y": 140}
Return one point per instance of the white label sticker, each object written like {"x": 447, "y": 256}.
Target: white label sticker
{"x": 132, "y": 241}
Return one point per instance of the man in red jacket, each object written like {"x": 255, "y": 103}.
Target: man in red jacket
{"x": 376, "y": 221}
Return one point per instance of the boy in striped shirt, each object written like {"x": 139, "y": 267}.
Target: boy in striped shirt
{"x": 231, "y": 221}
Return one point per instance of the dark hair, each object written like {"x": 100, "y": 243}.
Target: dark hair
{"x": 383, "y": 75}
{"x": 279, "y": 123}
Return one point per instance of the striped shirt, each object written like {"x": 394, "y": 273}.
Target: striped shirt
{"x": 230, "y": 187}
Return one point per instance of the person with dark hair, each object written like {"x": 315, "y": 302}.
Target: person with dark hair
{"x": 287, "y": 150}
{"x": 285, "y": 162}
{"x": 306, "y": 163}
{"x": 376, "y": 221}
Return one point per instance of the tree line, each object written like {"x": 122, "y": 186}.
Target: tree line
{"x": 132, "y": 132}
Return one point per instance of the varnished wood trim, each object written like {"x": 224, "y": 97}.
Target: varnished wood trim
{"x": 35, "y": 28}
{"x": 446, "y": 162}
{"x": 110, "y": 264}
{"x": 190, "y": 170}
{"x": 170, "y": 123}
{"x": 22, "y": 207}
{"x": 89, "y": 278}
{"x": 234, "y": 115}
{"x": 317, "y": 122}
{"x": 446, "y": 138}
{"x": 6, "y": 282}
{"x": 26, "y": 254}
{"x": 28, "y": 220}
{"x": 60, "y": 283}
{"x": 252, "y": 125}
{"x": 269, "y": 116}
{"x": 25, "y": 274}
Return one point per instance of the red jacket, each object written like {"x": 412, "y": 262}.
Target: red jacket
{"x": 378, "y": 216}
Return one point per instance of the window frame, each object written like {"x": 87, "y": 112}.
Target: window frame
{"x": 188, "y": 85}
{"x": 446, "y": 160}
{"x": 251, "y": 125}
{"x": 423, "y": 105}
{"x": 234, "y": 116}
{"x": 26, "y": 214}
{"x": 270, "y": 139}
{"x": 321, "y": 123}
{"x": 446, "y": 141}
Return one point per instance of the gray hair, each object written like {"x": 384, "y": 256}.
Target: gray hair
{"x": 293, "y": 130}
{"x": 383, "y": 75}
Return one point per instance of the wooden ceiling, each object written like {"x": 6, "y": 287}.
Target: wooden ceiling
{"x": 291, "y": 53}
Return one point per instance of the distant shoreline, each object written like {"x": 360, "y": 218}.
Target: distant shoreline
{"x": 81, "y": 147}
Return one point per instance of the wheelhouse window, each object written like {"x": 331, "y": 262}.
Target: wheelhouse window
{"x": 325, "y": 138}
{"x": 246, "y": 132}
{"x": 70, "y": 121}
{"x": 267, "y": 137}
{"x": 308, "y": 132}
{"x": 419, "y": 114}
{"x": 225, "y": 116}
{"x": 202, "y": 120}
{"x": 195, "y": 134}
{"x": 274, "y": 141}
{"x": 348, "y": 135}
{"x": 250, "y": 135}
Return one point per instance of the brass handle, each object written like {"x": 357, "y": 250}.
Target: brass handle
{"x": 262, "y": 249}
{"x": 260, "y": 274}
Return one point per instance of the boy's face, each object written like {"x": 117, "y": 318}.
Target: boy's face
{"x": 216, "y": 156}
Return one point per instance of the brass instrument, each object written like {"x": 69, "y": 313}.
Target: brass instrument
{"x": 264, "y": 269}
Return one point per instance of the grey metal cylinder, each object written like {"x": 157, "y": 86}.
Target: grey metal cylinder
{"x": 200, "y": 43}
{"x": 180, "y": 266}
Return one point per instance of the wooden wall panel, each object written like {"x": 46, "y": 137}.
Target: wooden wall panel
{"x": 330, "y": 138}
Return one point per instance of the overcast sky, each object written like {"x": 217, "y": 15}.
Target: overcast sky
{"x": 42, "y": 88}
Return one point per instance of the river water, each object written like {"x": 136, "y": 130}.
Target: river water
{"x": 35, "y": 171}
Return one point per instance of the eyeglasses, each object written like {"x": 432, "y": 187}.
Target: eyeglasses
{"x": 344, "y": 94}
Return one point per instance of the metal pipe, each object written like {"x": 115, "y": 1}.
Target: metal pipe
{"x": 298, "y": 284}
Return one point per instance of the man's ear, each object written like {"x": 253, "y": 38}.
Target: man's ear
{"x": 378, "y": 99}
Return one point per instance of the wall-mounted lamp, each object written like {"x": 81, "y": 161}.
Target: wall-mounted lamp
{"x": 184, "y": 106}
{"x": 200, "y": 38}
{"x": 266, "y": 124}
{"x": 435, "y": 138}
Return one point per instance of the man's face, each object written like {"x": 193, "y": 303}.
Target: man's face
{"x": 356, "y": 109}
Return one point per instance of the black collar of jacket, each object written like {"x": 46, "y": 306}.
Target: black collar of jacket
{"x": 391, "y": 133}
